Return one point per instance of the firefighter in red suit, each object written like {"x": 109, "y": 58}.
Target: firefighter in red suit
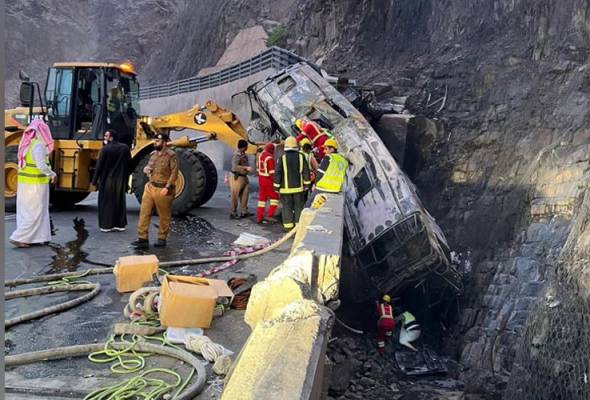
{"x": 266, "y": 191}
{"x": 315, "y": 134}
{"x": 385, "y": 324}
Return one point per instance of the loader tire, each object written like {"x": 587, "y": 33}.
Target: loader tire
{"x": 210, "y": 177}
{"x": 191, "y": 184}
{"x": 64, "y": 199}
{"x": 10, "y": 178}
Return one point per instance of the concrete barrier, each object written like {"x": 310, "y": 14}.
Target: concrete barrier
{"x": 284, "y": 356}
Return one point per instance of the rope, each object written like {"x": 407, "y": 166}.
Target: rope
{"x": 210, "y": 351}
{"x": 125, "y": 389}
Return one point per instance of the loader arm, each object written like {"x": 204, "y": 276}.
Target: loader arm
{"x": 219, "y": 123}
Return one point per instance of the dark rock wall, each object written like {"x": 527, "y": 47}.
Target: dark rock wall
{"x": 41, "y": 32}
{"x": 510, "y": 174}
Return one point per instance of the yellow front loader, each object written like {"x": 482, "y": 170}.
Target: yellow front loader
{"x": 82, "y": 101}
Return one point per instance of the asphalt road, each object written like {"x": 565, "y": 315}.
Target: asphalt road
{"x": 78, "y": 244}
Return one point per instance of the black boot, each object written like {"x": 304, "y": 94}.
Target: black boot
{"x": 160, "y": 243}
{"x": 141, "y": 244}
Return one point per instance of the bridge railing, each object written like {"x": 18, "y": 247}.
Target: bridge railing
{"x": 275, "y": 58}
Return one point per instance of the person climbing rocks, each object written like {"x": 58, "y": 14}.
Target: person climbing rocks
{"x": 291, "y": 180}
{"x": 385, "y": 323}
{"x": 266, "y": 191}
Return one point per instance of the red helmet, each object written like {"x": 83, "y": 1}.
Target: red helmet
{"x": 269, "y": 147}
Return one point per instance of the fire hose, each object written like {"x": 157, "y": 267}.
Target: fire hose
{"x": 93, "y": 287}
{"x": 169, "y": 264}
{"x": 132, "y": 386}
{"x": 68, "y": 278}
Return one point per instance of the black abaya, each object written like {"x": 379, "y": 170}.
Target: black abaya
{"x": 110, "y": 177}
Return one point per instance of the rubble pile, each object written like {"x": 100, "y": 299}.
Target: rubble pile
{"x": 191, "y": 226}
{"x": 359, "y": 372}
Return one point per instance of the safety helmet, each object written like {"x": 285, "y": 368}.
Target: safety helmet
{"x": 299, "y": 124}
{"x": 304, "y": 141}
{"x": 387, "y": 298}
{"x": 331, "y": 143}
{"x": 291, "y": 143}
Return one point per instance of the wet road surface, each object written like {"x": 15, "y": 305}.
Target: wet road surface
{"x": 78, "y": 244}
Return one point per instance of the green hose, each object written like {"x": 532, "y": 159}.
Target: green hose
{"x": 140, "y": 386}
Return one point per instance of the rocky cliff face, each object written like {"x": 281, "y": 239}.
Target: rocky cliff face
{"x": 508, "y": 181}
{"x": 41, "y": 32}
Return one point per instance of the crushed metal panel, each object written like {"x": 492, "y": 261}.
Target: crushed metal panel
{"x": 393, "y": 236}
{"x": 422, "y": 362}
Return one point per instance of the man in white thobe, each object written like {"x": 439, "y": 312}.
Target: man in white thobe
{"x": 32, "y": 194}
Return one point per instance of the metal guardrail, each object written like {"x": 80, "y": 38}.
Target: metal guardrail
{"x": 275, "y": 57}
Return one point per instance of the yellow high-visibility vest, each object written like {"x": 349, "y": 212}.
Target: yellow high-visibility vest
{"x": 408, "y": 317}
{"x": 333, "y": 177}
{"x": 30, "y": 173}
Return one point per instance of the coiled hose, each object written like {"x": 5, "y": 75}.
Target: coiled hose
{"x": 79, "y": 350}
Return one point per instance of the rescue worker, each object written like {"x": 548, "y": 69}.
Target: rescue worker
{"x": 299, "y": 130}
{"x": 266, "y": 191}
{"x": 238, "y": 182}
{"x": 331, "y": 172}
{"x": 410, "y": 330}
{"x": 312, "y": 163}
{"x": 385, "y": 323}
{"x": 316, "y": 135}
{"x": 311, "y": 160}
{"x": 291, "y": 180}
{"x": 162, "y": 170}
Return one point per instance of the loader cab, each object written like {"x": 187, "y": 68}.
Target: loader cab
{"x": 85, "y": 99}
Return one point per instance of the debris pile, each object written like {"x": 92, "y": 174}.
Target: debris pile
{"x": 359, "y": 372}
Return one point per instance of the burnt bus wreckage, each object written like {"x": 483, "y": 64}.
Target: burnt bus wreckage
{"x": 394, "y": 240}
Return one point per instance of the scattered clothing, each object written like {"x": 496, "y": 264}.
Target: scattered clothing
{"x": 111, "y": 178}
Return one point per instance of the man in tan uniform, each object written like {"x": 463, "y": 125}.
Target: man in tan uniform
{"x": 162, "y": 170}
{"x": 239, "y": 181}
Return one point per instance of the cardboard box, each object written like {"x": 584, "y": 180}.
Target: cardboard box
{"x": 224, "y": 294}
{"x": 188, "y": 302}
{"x": 132, "y": 272}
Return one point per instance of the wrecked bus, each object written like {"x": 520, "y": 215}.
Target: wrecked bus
{"x": 395, "y": 241}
